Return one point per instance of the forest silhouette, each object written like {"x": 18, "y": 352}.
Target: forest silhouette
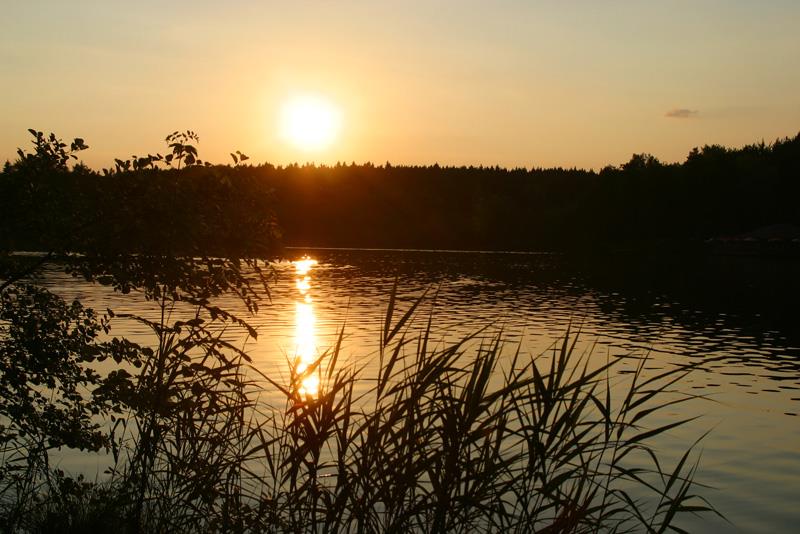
{"x": 142, "y": 205}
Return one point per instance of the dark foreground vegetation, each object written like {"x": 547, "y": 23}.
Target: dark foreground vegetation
{"x": 462, "y": 437}
{"x": 716, "y": 192}
{"x": 443, "y": 438}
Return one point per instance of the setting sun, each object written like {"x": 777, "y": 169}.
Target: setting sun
{"x": 310, "y": 123}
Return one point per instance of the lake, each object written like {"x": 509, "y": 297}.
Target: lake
{"x": 736, "y": 316}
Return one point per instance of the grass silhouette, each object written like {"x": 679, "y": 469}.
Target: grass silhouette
{"x": 443, "y": 437}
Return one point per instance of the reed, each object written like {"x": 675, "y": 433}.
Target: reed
{"x": 443, "y": 437}
{"x": 463, "y": 437}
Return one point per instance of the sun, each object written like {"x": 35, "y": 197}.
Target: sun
{"x": 310, "y": 122}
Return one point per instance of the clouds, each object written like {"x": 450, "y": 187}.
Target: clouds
{"x": 681, "y": 113}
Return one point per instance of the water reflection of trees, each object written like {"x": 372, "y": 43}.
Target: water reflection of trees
{"x": 744, "y": 305}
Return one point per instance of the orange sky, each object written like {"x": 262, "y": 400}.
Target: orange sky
{"x": 583, "y": 83}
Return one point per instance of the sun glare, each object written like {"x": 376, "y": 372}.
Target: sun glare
{"x": 310, "y": 123}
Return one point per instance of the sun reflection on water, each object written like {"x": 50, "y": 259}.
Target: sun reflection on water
{"x": 304, "y": 265}
{"x": 305, "y": 332}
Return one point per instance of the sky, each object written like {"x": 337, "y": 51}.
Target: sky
{"x": 512, "y": 83}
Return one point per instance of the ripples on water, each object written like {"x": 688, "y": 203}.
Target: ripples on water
{"x": 738, "y": 316}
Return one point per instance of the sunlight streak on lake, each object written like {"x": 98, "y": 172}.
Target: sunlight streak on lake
{"x": 305, "y": 332}
{"x": 303, "y": 266}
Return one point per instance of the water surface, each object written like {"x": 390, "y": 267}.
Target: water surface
{"x": 736, "y": 316}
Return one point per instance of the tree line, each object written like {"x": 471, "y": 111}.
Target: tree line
{"x": 224, "y": 209}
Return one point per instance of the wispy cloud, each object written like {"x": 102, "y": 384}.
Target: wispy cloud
{"x": 681, "y": 113}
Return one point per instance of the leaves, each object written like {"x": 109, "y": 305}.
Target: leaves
{"x": 48, "y": 342}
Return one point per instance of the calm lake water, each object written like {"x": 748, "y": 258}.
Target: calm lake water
{"x": 738, "y": 316}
